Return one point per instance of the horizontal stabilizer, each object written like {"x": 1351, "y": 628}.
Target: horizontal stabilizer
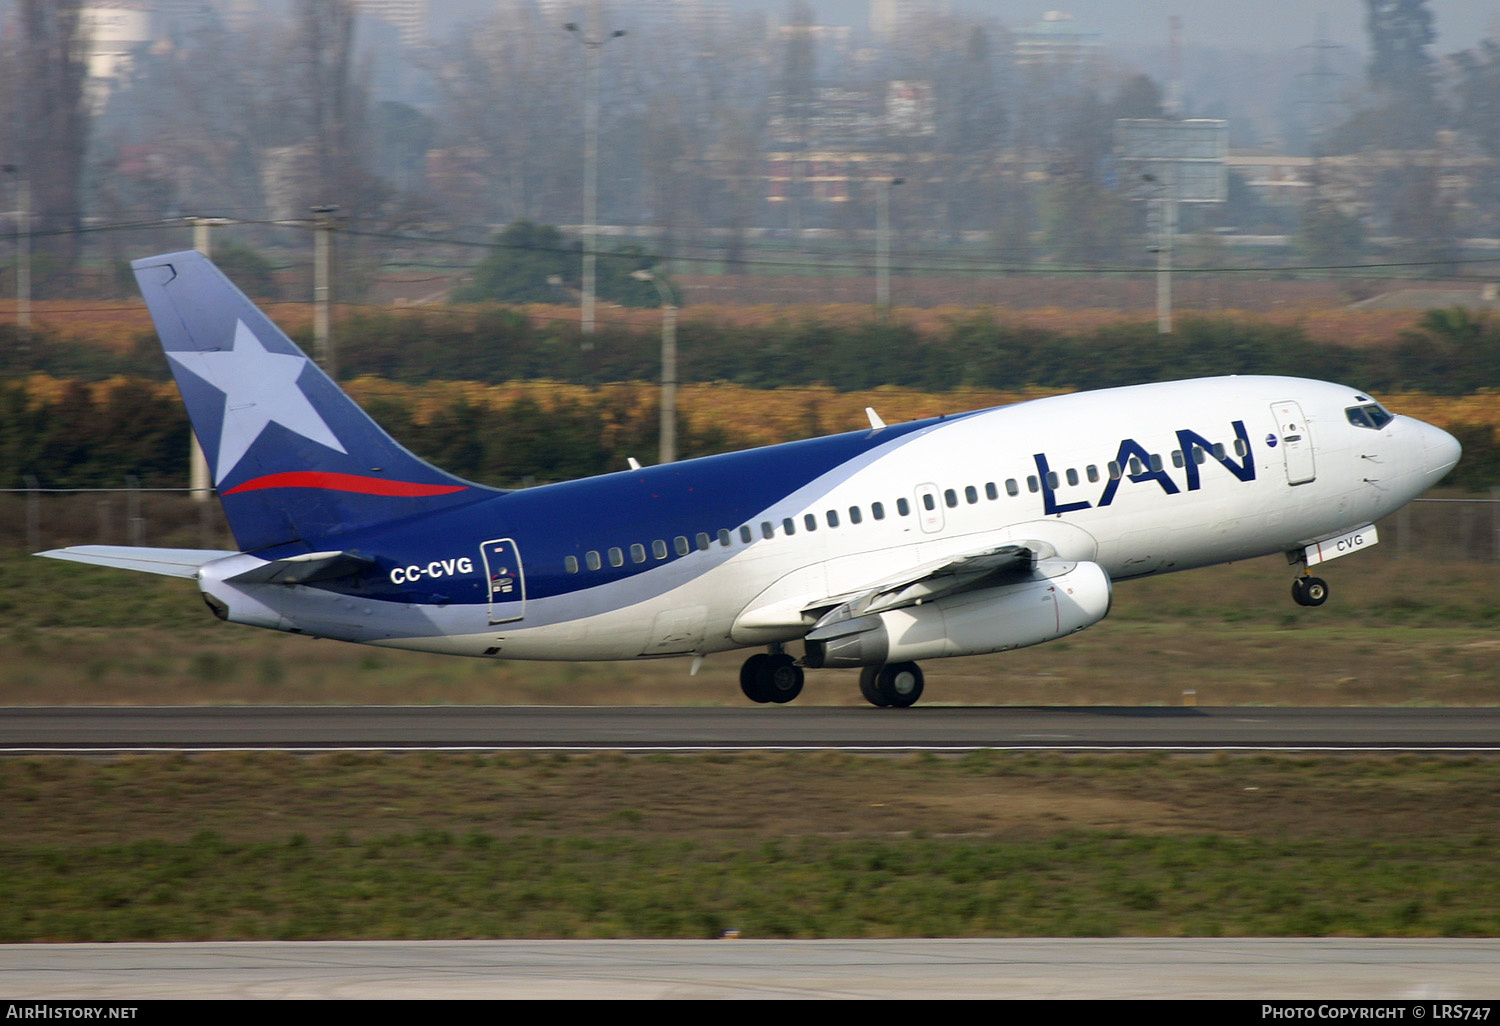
{"x": 167, "y": 562}
{"x": 305, "y": 569}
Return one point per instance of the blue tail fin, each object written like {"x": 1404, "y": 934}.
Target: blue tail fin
{"x": 293, "y": 458}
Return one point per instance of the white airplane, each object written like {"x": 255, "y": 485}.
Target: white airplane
{"x": 958, "y": 535}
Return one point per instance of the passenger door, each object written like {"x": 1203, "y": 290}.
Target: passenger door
{"x": 1296, "y": 443}
{"x": 507, "y": 582}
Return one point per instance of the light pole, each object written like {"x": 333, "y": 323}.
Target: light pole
{"x": 322, "y": 326}
{"x": 883, "y": 244}
{"x": 668, "y": 450}
{"x": 590, "y": 163}
{"x": 198, "y": 481}
{"x": 1166, "y": 229}
{"x": 23, "y": 244}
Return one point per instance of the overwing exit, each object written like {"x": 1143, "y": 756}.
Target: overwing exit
{"x": 874, "y": 549}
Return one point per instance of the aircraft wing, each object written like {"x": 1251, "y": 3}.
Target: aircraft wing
{"x": 167, "y": 562}
{"x": 930, "y": 581}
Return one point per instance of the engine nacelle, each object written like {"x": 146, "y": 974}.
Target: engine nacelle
{"x": 1057, "y": 600}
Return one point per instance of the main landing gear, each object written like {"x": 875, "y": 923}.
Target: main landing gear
{"x": 894, "y": 685}
{"x": 771, "y": 677}
{"x": 775, "y": 677}
{"x": 1309, "y": 591}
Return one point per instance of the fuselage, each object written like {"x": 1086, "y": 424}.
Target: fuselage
{"x": 733, "y": 550}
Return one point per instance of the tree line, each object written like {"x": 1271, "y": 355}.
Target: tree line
{"x": 1448, "y": 352}
{"x": 91, "y": 437}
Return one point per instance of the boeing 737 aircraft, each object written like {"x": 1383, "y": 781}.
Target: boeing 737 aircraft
{"x": 874, "y": 549}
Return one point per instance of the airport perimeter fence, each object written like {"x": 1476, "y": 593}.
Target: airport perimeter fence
{"x": 1438, "y": 527}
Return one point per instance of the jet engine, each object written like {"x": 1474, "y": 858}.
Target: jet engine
{"x": 1055, "y": 601}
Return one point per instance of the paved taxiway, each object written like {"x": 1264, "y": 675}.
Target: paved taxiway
{"x": 1276, "y": 969}
{"x": 791, "y": 727}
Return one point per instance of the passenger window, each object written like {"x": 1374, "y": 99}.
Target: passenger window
{"x": 1114, "y": 470}
{"x": 681, "y": 545}
{"x": 724, "y": 538}
{"x": 1011, "y": 488}
{"x": 833, "y": 518}
{"x": 877, "y": 510}
{"x": 990, "y": 491}
{"x": 592, "y": 559}
{"x": 809, "y": 521}
{"x": 1135, "y": 466}
{"x": 789, "y": 526}
{"x": 637, "y": 553}
{"x": 971, "y": 494}
{"x": 1177, "y": 460}
{"x": 616, "y": 557}
{"x": 950, "y": 497}
{"x": 704, "y": 541}
{"x": 1239, "y": 448}
{"x": 746, "y": 534}
{"x": 854, "y": 515}
{"x": 1199, "y": 455}
{"x": 570, "y": 564}
{"x": 1032, "y": 484}
{"x": 1219, "y": 451}
{"x": 903, "y": 507}
{"x": 928, "y": 502}
{"x": 1072, "y": 476}
{"x": 659, "y": 549}
{"x": 766, "y": 530}
{"x": 1155, "y": 463}
{"x": 1093, "y": 473}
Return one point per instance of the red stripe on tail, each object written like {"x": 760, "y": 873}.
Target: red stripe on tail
{"x": 344, "y": 483}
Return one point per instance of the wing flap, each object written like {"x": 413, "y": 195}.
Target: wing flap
{"x": 929, "y": 582}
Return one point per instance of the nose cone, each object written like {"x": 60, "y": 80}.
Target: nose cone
{"x": 1440, "y": 452}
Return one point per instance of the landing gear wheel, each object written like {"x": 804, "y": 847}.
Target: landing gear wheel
{"x": 780, "y": 679}
{"x": 1310, "y": 591}
{"x": 899, "y": 684}
{"x": 771, "y": 678}
{"x": 869, "y": 686}
{"x": 750, "y": 678}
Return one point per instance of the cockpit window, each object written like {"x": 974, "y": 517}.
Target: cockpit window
{"x": 1372, "y": 416}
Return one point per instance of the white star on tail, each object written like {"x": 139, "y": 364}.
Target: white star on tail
{"x": 259, "y": 387}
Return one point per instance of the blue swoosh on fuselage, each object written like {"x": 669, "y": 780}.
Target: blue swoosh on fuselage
{"x": 551, "y": 522}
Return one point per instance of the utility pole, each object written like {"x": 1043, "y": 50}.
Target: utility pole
{"x": 592, "y": 46}
{"x": 668, "y": 447}
{"x": 883, "y": 245}
{"x": 322, "y": 250}
{"x": 23, "y": 244}
{"x": 198, "y": 479}
{"x": 1164, "y": 206}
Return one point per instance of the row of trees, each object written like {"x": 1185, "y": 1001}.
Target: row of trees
{"x": 133, "y": 432}
{"x": 1449, "y": 352}
{"x": 87, "y": 435}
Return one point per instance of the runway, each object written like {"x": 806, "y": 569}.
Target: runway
{"x": 1262, "y": 969}
{"x": 500, "y": 728}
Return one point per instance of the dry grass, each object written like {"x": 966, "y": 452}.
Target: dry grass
{"x": 1230, "y": 634}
